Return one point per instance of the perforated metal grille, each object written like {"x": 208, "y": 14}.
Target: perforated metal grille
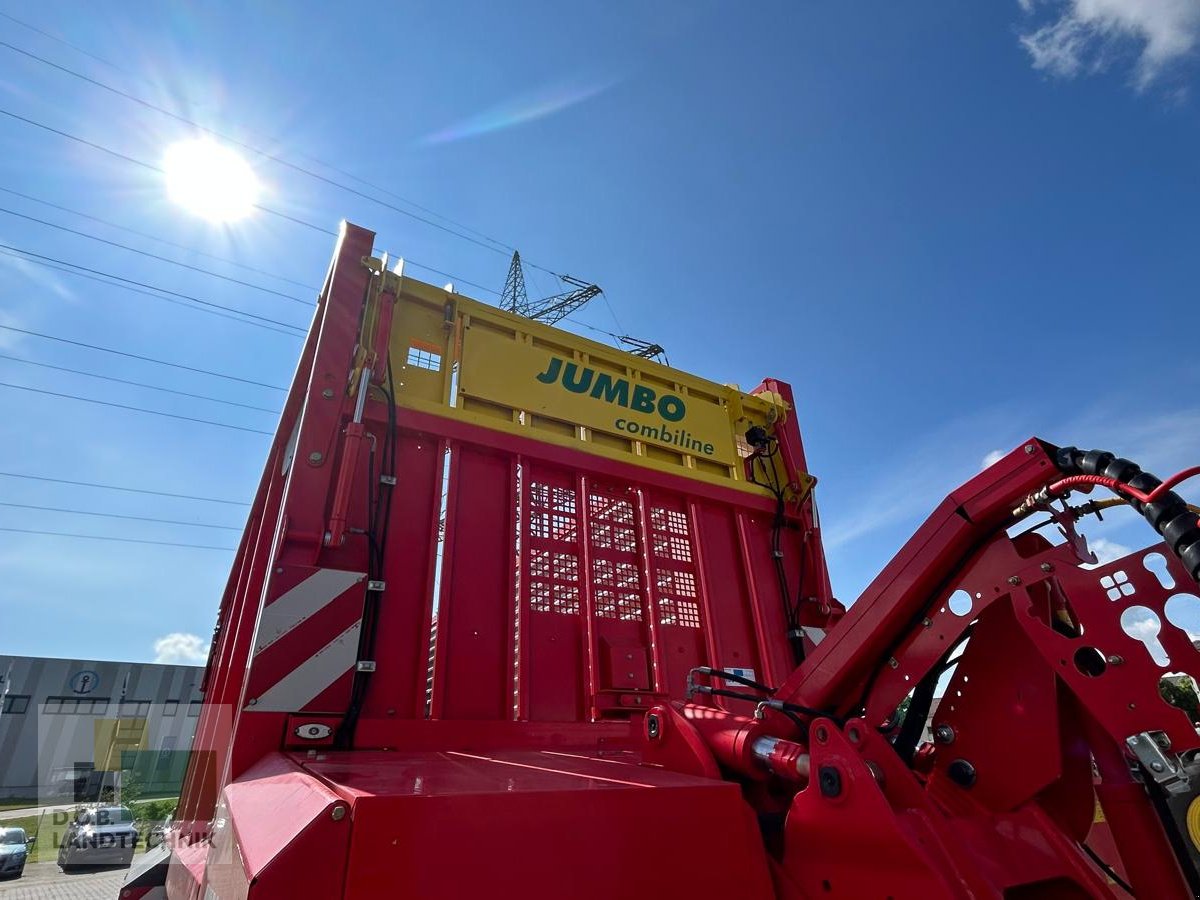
{"x": 552, "y": 512}
{"x": 424, "y": 359}
{"x": 669, "y": 535}
{"x": 553, "y": 570}
{"x": 677, "y": 599}
{"x": 553, "y": 582}
{"x": 674, "y": 578}
{"x": 617, "y": 590}
{"x": 612, "y": 524}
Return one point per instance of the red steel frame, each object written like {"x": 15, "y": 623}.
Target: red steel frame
{"x": 571, "y": 597}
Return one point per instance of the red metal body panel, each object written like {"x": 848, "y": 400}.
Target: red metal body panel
{"x": 500, "y": 698}
{"x": 526, "y": 819}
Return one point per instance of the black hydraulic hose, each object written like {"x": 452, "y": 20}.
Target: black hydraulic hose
{"x": 379, "y": 506}
{"x": 731, "y": 676}
{"x": 914, "y": 718}
{"x": 1168, "y": 515}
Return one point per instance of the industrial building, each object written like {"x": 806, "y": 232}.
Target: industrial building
{"x": 67, "y": 726}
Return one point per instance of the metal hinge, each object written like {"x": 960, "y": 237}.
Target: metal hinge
{"x": 1149, "y": 747}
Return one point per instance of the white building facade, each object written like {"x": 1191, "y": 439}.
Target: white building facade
{"x": 67, "y": 725}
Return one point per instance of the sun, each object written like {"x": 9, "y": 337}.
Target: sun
{"x": 210, "y": 180}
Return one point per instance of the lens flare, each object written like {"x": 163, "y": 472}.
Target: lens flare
{"x": 210, "y": 180}
{"x": 538, "y": 104}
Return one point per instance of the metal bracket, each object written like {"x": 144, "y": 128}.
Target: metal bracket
{"x": 1149, "y": 747}
{"x": 378, "y": 586}
{"x": 388, "y": 480}
{"x": 365, "y": 665}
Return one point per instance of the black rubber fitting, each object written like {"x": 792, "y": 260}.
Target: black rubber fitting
{"x": 1191, "y": 559}
{"x": 1121, "y": 469}
{"x": 1182, "y": 530}
{"x": 830, "y": 780}
{"x": 1168, "y": 515}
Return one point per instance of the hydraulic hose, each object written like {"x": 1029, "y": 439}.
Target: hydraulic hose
{"x": 1168, "y": 513}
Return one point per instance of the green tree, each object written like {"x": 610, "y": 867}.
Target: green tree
{"x": 1180, "y": 691}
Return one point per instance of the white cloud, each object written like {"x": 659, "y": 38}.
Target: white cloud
{"x": 40, "y": 276}
{"x": 1146, "y": 629}
{"x": 179, "y": 648}
{"x": 866, "y": 518}
{"x": 915, "y": 480}
{"x": 993, "y": 457}
{"x": 1108, "y": 551}
{"x": 1086, "y": 35}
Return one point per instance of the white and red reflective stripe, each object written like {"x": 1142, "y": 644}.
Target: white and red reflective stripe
{"x": 307, "y": 637}
{"x": 305, "y": 682}
{"x": 311, "y": 595}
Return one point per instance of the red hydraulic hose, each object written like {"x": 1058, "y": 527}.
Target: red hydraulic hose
{"x": 1065, "y": 484}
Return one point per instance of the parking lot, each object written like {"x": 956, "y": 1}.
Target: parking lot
{"x": 45, "y": 881}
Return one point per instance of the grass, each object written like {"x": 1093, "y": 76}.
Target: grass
{"x": 16, "y": 804}
{"x": 46, "y": 846}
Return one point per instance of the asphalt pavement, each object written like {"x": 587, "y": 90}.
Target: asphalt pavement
{"x": 45, "y": 881}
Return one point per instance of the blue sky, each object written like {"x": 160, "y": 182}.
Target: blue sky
{"x": 948, "y": 225}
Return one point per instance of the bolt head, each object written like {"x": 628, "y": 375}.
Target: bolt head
{"x": 1047, "y": 567}
{"x": 1029, "y": 448}
{"x": 962, "y": 773}
{"x": 1115, "y": 660}
{"x": 327, "y": 393}
{"x": 830, "y": 781}
{"x": 315, "y": 457}
{"x": 894, "y": 663}
{"x": 338, "y": 813}
{"x": 943, "y": 734}
{"x": 1014, "y": 579}
{"x": 927, "y": 622}
{"x": 1157, "y": 766}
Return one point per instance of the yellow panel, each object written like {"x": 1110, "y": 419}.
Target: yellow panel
{"x": 456, "y": 357}
{"x": 587, "y": 389}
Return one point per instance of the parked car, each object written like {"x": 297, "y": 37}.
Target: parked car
{"x": 99, "y": 835}
{"x": 14, "y": 849}
{"x": 158, "y": 833}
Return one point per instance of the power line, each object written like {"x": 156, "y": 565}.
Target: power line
{"x": 326, "y": 164}
{"x": 455, "y": 278}
{"x": 107, "y": 515}
{"x": 122, "y": 488}
{"x": 161, "y": 290}
{"x": 74, "y": 47}
{"x": 140, "y": 384}
{"x": 159, "y": 240}
{"x": 150, "y": 166}
{"x": 153, "y": 412}
{"x": 147, "y": 253}
{"x": 149, "y": 359}
{"x": 293, "y": 333}
{"x": 501, "y": 248}
{"x": 123, "y": 540}
{"x": 153, "y": 168}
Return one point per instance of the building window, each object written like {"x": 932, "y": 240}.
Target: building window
{"x": 170, "y": 707}
{"x": 64, "y": 706}
{"x": 16, "y": 703}
{"x": 138, "y": 708}
{"x": 194, "y": 708}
